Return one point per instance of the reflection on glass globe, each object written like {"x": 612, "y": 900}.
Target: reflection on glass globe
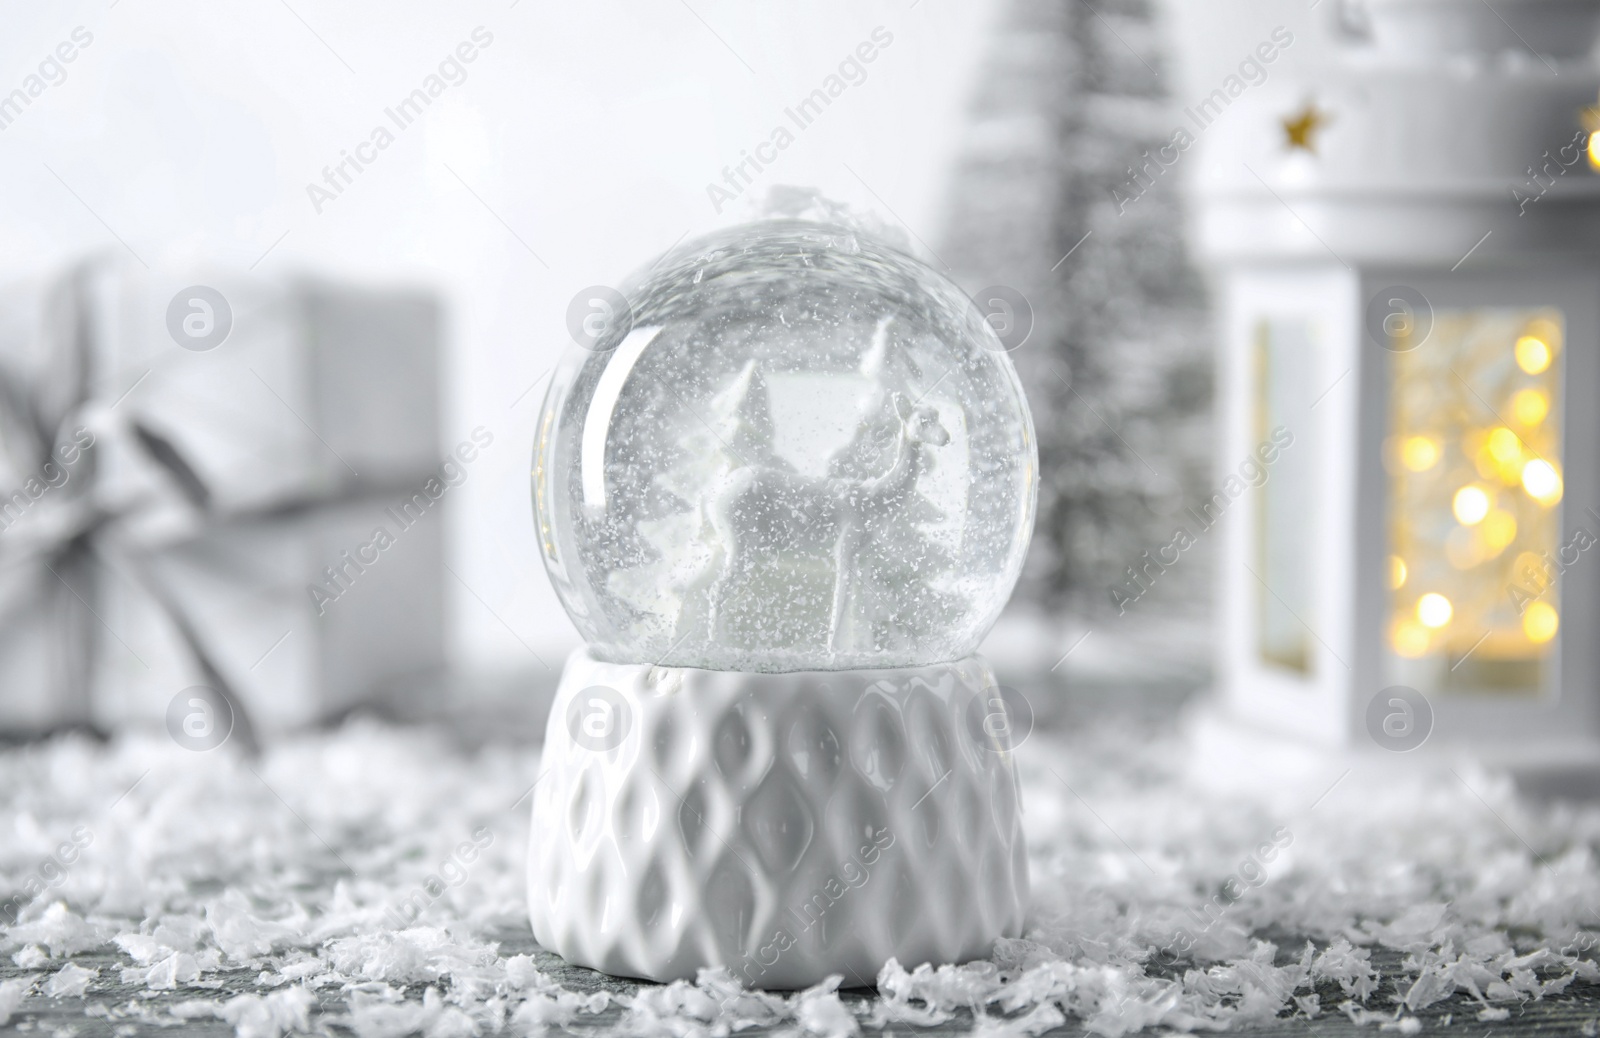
{"x": 794, "y": 448}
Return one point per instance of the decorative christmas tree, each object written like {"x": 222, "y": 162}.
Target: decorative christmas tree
{"x": 689, "y": 553}
{"x": 1056, "y": 197}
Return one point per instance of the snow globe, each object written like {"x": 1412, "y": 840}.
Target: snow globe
{"x": 784, "y": 483}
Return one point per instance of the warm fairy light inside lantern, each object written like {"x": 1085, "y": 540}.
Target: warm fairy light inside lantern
{"x": 1475, "y": 462}
{"x": 1470, "y": 506}
{"x": 1533, "y": 354}
{"x": 1434, "y": 610}
{"x": 1420, "y": 453}
{"x": 1530, "y": 406}
{"x": 1539, "y": 621}
{"x": 1539, "y": 479}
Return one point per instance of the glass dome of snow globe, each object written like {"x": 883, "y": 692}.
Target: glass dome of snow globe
{"x": 785, "y": 446}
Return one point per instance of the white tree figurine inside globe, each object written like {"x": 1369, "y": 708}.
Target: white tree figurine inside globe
{"x": 784, "y": 484}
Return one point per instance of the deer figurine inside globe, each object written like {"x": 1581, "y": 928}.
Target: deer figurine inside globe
{"x": 784, "y": 486}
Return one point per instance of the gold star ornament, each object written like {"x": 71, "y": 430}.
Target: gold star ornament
{"x": 1300, "y": 129}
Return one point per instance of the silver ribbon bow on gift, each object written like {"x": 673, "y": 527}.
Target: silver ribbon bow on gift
{"x": 58, "y": 525}
{"x": 65, "y": 524}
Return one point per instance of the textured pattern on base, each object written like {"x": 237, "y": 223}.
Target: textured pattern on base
{"x": 787, "y": 826}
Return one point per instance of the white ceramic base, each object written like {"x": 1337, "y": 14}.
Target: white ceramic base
{"x": 787, "y": 826}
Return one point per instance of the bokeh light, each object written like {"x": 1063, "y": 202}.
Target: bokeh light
{"x": 1470, "y": 505}
{"x": 1530, "y": 406}
{"x": 1541, "y": 481}
{"x": 1504, "y": 445}
{"x": 1419, "y": 453}
{"x": 1533, "y": 354}
{"x": 1499, "y": 530}
{"x": 1409, "y": 638}
{"x": 1434, "y": 610}
{"x": 1540, "y": 621}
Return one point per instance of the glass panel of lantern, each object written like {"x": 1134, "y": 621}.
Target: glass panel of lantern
{"x": 1474, "y": 462}
{"x": 1285, "y": 608}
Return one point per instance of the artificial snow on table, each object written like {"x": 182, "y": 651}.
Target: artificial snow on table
{"x": 369, "y": 881}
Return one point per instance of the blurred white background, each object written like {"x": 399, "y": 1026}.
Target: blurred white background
{"x": 587, "y": 132}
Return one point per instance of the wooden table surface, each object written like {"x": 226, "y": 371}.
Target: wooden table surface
{"x": 110, "y": 1012}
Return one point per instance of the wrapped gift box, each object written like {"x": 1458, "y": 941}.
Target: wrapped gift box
{"x": 291, "y": 661}
{"x": 48, "y": 631}
{"x": 223, "y": 484}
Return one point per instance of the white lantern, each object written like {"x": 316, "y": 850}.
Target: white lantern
{"x": 1406, "y": 243}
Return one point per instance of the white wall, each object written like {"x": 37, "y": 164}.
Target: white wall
{"x": 191, "y": 130}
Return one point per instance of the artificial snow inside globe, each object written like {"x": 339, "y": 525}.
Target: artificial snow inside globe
{"x": 784, "y": 484}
